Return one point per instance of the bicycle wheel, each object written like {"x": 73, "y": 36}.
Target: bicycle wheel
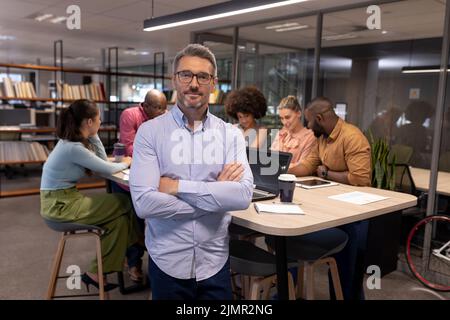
{"x": 435, "y": 273}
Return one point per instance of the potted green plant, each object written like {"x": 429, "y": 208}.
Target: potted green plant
{"x": 383, "y": 239}
{"x": 383, "y": 164}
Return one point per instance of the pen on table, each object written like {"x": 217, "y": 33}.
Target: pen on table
{"x": 287, "y": 203}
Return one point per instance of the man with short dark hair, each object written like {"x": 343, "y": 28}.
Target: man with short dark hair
{"x": 155, "y": 104}
{"x": 342, "y": 154}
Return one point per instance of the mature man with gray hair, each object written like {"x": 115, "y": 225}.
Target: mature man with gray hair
{"x": 183, "y": 192}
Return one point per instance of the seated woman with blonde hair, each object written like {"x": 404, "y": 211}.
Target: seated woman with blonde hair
{"x": 293, "y": 137}
{"x": 247, "y": 105}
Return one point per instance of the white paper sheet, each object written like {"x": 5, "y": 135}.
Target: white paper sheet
{"x": 278, "y": 208}
{"x": 358, "y": 197}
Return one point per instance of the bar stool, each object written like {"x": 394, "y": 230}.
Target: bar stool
{"x": 69, "y": 231}
{"x": 260, "y": 265}
{"x": 242, "y": 233}
{"x": 311, "y": 251}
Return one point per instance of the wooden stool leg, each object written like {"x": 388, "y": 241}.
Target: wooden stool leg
{"x": 335, "y": 277}
{"x": 101, "y": 285}
{"x": 309, "y": 269}
{"x": 255, "y": 288}
{"x": 291, "y": 287}
{"x": 266, "y": 286}
{"x": 234, "y": 286}
{"x": 300, "y": 280}
{"x": 246, "y": 286}
{"x": 55, "y": 268}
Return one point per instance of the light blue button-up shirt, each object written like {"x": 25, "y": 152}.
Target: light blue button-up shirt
{"x": 187, "y": 234}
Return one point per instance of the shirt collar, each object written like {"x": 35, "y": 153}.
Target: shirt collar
{"x": 182, "y": 121}
{"x": 337, "y": 130}
{"x": 141, "y": 108}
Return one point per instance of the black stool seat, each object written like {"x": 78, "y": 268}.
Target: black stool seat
{"x": 62, "y": 226}
{"x": 248, "y": 259}
{"x": 239, "y": 231}
{"x": 314, "y": 246}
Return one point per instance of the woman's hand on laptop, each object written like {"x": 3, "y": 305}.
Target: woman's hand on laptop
{"x": 231, "y": 172}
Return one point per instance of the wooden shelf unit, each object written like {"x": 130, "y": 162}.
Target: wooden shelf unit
{"x": 43, "y": 130}
{"x": 65, "y": 100}
{"x": 75, "y": 70}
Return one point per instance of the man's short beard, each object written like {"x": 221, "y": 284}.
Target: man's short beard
{"x": 317, "y": 130}
{"x": 317, "y": 134}
{"x": 196, "y": 106}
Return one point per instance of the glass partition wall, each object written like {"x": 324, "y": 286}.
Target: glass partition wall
{"x": 386, "y": 81}
{"x": 373, "y": 72}
{"x": 272, "y": 56}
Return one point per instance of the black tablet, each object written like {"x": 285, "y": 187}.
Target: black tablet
{"x": 315, "y": 183}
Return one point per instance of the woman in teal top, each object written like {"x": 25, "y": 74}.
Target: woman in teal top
{"x": 79, "y": 152}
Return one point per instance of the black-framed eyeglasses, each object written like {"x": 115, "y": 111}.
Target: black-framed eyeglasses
{"x": 186, "y": 76}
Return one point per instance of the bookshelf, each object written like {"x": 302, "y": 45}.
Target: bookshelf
{"x": 63, "y": 93}
{"x": 29, "y": 96}
{"x": 41, "y": 91}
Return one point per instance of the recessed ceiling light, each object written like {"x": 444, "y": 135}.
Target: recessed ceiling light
{"x": 134, "y": 52}
{"x": 291, "y": 28}
{"x": 58, "y": 19}
{"x": 6, "y": 37}
{"x": 384, "y": 32}
{"x": 42, "y": 17}
{"x": 284, "y": 25}
{"x": 340, "y": 37}
{"x": 84, "y": 59}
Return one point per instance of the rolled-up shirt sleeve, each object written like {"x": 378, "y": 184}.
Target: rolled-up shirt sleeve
{"x": 357, "y": 158}
{"x": 144, "y": 183}
{"x": 219, "y": 196}
{"x": 127, "y": 131}
{"x": 312, "y": 160}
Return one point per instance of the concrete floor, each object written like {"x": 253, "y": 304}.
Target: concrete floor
{"x": 27, "y": 247}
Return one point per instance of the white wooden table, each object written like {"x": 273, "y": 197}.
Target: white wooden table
{"x": 320, "y": 213}
{"x": 421, "y": 178}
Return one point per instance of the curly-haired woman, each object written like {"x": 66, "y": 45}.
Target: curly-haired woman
{"x": 246, "y": 105}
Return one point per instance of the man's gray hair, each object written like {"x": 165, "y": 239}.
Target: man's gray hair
{"x": 196, "y": 50}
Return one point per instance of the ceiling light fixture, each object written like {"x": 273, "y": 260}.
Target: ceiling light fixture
{"x": 425, "y": 69}
{"x": 216, "y": 11}
{"x": 6, "y": 37}
{"x": 58, "y": 19}
{"x": 340, "y": 37}
{"x": 284, "y": 25}
{"x": 292, "y": 28}
{"x": 43, "y": 17}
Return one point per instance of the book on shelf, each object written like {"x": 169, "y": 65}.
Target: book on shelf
{"x": 18, "y": 89}
{"x": 216, "y": 97}
{"x": 17, "y": 151}
{"x": 92, "y": 91}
